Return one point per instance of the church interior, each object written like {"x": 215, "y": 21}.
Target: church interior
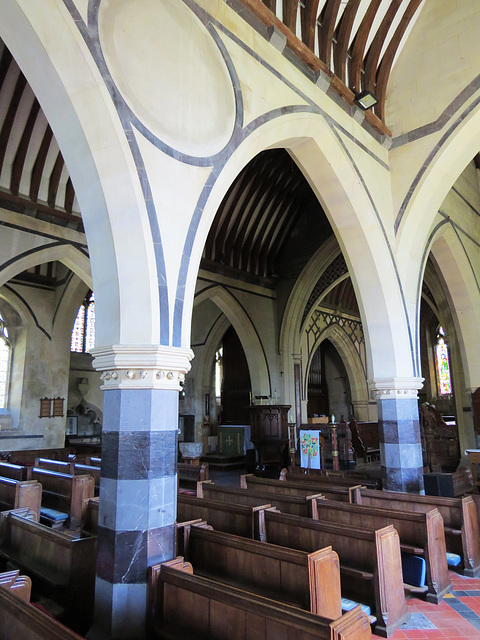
{"x": 239, "y": 318}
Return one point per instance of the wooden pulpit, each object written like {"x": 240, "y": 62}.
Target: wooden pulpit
{"x": 269, "y": 435}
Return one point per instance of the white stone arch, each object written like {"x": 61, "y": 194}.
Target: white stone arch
{"x": 436, "y": 181}
{"x": 329, "y": 171}
{"x": 51, "y": 53}
{"x": 463, "y": 295}
{"x": 237, "y": 317}
{"x": 350, "y": 358}
{"x": 71, "y": 257}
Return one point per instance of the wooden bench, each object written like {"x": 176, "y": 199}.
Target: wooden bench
{"x": 330, "y": 491}
{"x": 21, "y": 586}
{"x": 310, "y": 581}
{"x": 24, "y": 621}
{"x": 183, "y": 605}
{"x": 231, "y": 518}
{"x": 61, "y": 565}
{"x": 89, "y": 470}
{"x": 60, "y": 466}
{"x": 370, "y": 561}
{"x": 298, "y": 506}
{"x": 93, "y": 461}
{"x": 90, "y": 523}
{"x": 27, "y": 456}
{"x": 190, "y": 474}
{"x": 14, "y": 471}
{"x": 15, "y": 494}
{"x": 340, "y": 478}
{"x": 421, "y": 534}
{"x": 459, "y": 515}
{"x": 64, "y": 493}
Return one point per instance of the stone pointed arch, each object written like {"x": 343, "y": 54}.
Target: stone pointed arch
{"x": 238, "y": 318}
{"x": 351, "y": 361}
{"x": 329, "y": 169}
{"x": 71, "y": 257}
{"x": 463, "y": 294}
{"x": 430, "y": 188}
{"x": 99, "y": 162}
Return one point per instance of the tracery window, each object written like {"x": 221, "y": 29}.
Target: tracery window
{"x": 443, "y": 364}
{"x": 5, "y": 354}
{"x": 83, "y": 333}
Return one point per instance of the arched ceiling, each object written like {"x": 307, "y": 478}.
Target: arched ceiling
{"x": 258, "y": 214}
{"x": 33, "y": 177}
{"x": 356, "y": 42}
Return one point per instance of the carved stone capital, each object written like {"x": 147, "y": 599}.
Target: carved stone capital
{"x": 142, "y": 366}
{"x": 395, "y": 388}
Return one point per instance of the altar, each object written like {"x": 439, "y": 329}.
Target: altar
{"x": 234, "y": 439}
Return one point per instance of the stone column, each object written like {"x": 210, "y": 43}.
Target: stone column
{"x": 399, "y": 433}
{"x": 138, "y": 485}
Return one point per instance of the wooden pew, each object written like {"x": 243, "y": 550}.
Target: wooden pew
{"x": 14, "y": 471}
{"x": 330, "y": 491}
{"x": 89, "y": 470}
{"x": 370, "y": 561}
{"x": 60, "y": 466}
{"x": 310, "y": 581}
{"x": 94, "y": 461}
{"x": 421, "y": 534}
{"x": 232, "y": 518}
{"x": 65, "y": 493}
{"x": 15, "y": 494}
{"x": 23, "y": 621}
{"x": 184, "y": 605}
{"x": 297, "y": 506}
{"x": 90, "y": 522}
{"x": 28, "y": 456}
{"x": 340, "y": 478}
{"x": 460, "y": 518}
{"x": 190, "y": 474}
{"x": 21, "y": 586}
{"x": 62, "y": 565}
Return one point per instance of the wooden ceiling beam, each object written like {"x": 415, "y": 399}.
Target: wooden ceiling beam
{"x": 373, "y": 55}
{"x": 326, "y": 31}
{"x": 10, "y": 117}
{"x": 19, "y": 161}
{"x": 358, "y": 47}
{"x": 344, "y": 33}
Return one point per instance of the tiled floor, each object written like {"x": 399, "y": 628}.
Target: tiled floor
{"x": 456, "y": 618}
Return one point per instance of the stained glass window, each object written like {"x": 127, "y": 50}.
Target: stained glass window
{"x": 5, "y": 351}
{"x": 83, "y": 334}
{"x": 443, "y": 364}
{"x": 90, "y": 326}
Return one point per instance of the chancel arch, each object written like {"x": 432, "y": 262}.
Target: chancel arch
{"x": 238, "y": 318}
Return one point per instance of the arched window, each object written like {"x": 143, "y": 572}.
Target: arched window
{"x": 5, "y": 354}
{"x": 443, "y": 364}
{"x": 83, "y": 334}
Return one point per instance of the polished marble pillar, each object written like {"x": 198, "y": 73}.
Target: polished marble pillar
{"x": 138, "y": 485}
{"x": 399, "y": 433}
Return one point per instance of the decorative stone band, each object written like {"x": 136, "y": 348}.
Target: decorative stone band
{"x": 142, "y": 366}
{"x": 394, "y": 388}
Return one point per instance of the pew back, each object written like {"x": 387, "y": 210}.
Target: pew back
{"x": 462, "y": 532}
{"x": 370, "y": 561}
{"x": 237, "y": 519}
{"x": 186, "y": 606}
{"x": 65, "y": 492}
{"x": 14, "y": 471}
{"x": 60, "y": 466}
{"x": 310, "y": 581}
{"x": 15, "y": 494}
{"x": 330, "y": 491}
{"x": 299, "y": 506}
{"x": 420, "y": 534}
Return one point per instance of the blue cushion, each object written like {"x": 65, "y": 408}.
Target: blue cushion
{"x": 453, "y": 559}
{"x": 53, "y": 514}
{"x": 414, "y": 570}
{"x": 348, "y": 605}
